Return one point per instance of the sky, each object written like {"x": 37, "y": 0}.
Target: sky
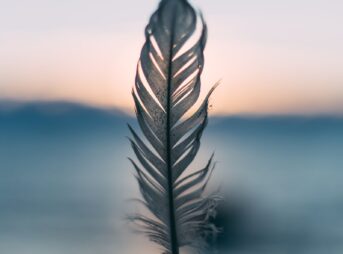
{"x": 272, "y": 57}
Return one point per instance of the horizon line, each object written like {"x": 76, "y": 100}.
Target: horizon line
{"x": 13, "y": 104}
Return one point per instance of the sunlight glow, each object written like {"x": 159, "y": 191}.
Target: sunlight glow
{"x": 290, "y": 67}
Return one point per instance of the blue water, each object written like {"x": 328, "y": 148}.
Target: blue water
{"x": 65, "y": 182}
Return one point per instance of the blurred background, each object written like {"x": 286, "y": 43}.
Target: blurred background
{"x": 276, "y": 125}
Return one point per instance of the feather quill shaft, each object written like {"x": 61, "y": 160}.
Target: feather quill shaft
{"x": 167, "y": 86}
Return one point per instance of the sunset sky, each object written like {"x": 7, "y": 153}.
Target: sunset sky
{"x": 273, "y": 57}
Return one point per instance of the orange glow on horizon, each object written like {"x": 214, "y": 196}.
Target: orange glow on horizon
{"x": 98, "y": 68}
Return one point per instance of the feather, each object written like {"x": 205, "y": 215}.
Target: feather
{"x": 167, "y": 85}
